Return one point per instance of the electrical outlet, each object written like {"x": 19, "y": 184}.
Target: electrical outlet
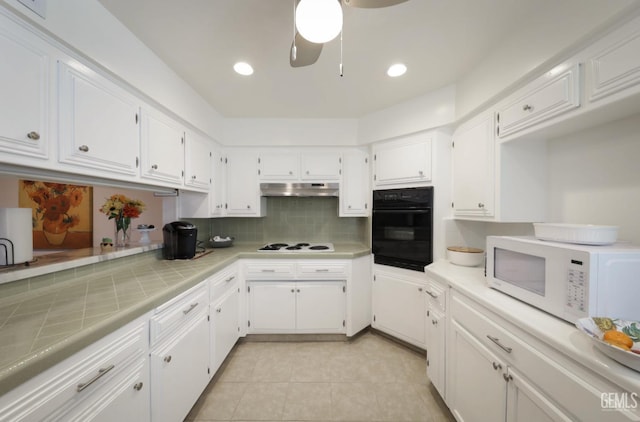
{"x": 38, "y": 6}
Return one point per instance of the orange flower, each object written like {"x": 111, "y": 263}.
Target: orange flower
{"x": 75, "y": 197}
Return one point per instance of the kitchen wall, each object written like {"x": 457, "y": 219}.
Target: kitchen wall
{"x": 290, "y": 219}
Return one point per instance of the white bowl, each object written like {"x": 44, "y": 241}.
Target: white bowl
{"x": 465, "y": 256}
{"x": 584, "y": 234}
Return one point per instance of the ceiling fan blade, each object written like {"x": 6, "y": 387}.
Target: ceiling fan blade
{"x": 306, "y": 52}
{"x": 372, "y": 4}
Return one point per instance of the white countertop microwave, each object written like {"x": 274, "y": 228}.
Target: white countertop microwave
{"x": 569, "y": 281}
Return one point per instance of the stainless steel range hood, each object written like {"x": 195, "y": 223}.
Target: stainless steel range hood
{"x": 299, "y": 189}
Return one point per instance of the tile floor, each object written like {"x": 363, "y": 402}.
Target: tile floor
{"x": 369, "y": 378}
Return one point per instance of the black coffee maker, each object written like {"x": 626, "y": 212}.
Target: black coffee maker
{"x": 179, "y": 240}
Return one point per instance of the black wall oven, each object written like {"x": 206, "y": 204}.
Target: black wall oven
{"x": 402, "y": 230}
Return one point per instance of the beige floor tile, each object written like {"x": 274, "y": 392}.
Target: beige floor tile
{"x": 272, "y": 369}
{"x": 262, "y": 401}
{"x": 312, "y": 369}
{"x": 400, "y": 402}
{"x": 219, "y": 402}
{"x": 239, "y": 369}
{"x": 308, "y": 402}
{"x": 353, "y": 402}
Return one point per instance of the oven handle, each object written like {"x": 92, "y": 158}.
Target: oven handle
{"x": 404, "y": 211}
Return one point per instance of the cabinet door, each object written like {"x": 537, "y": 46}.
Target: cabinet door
{"x": 405, "y": 161}
{"x": 436, "y": 340}
{"x": 197, "y": 163}
{"x": 399, "y": 308}
{"x": 218, "y": 189}
{"x": 25, "y": 87}
{"x": 162, "y": 148}
{"x": 476, "y": 390}
{"x": 98, "y": 122}
{"x": 278, "y": 165}
{"x": 321, "y": 165}
{"x": 272, "y": 307}
{"x": 243, "y": 195}
{"x": 224, "y": 327}
{"x": 526, "y": 403}
{"x": 473, "y": 167}
{"x": 320, "y": 307}
{"x": 179, "y": 371}
{"x": 355, "y": 193}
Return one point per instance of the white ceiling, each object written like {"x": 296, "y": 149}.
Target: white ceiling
{"x": 438, "y": 40}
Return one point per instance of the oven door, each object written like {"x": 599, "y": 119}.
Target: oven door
{"x": 402, "y": 238}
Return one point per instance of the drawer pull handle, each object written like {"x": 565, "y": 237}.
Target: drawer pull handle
{"x": 433, "y": 295}
{"x": 193, "y": 305}
{"x": 322, "y": 270}
{"x": 167, "y": 358}
{"x": 265, "y": 270}
{"x": 138, "y": 386}
{"x": 496, "y": 340}
{"x": 34, "y": 136}
{"x": 101, "y": 372}
{"x": 230, "y": 278}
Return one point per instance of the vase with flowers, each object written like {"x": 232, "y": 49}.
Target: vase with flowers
{"x": 54, "y": 203}
{"x": 122, "y": 209}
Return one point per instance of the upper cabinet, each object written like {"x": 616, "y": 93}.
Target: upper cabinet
{"x": 403, "y": 161}
{"x": 162, "y": 144}
{"x": 355, "y": 194}
{"x": 98, "y": 122}
{"x": 321, "y": 165}
{"x": 197, "y": 163}
{"x": 552, "y": 94}
{"x": 473, "y": 167}
{"x": 243, "y": 192}
{"x": 25, "y": 86}
{"x": 279, "y": 165}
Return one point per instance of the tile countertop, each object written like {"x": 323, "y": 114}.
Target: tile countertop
{"x": 557, "y": 333}
{"x": 39, "y": 328}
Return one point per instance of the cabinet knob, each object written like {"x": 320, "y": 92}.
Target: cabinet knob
{"x": 507, "y": 377}
{"x": 419, "y": 289}
{"x": 219, "y": 310}
{"x": 248, "y": 207}
{"x": 83, "y": 148}
{"x": 434, "y": 322}
{"x": 480, "y": 205}
{"x": 138, "y": 386}
{"x": 527, "y": 107}
{"x": 293, "y": 291}
{"x": 496, "y": 366}
{"x": 298, "y": 290}
{"x": 349, "y": 207}
{"x": 193, "y": 177}
{"x": 290, "y": 173}
{"x": 154, "y": 167}
{"x": 421, "y": 173}
{"x": 167, "y": 358}
{"x": 307, "y": 171}
{"x": 33, "y": 135}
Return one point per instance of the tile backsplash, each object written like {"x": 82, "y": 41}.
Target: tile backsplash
{"x": 289, "y": 219}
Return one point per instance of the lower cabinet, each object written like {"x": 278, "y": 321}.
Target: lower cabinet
{"x": 399, "y": 305}
{"x": 296, "y": 307}
{"x": 225, "y": 326}
{"x": 436, "y": 334}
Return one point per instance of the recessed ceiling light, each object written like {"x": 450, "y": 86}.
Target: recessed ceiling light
{"x": 243, "y": 68}
{"x": 397, "y": 69}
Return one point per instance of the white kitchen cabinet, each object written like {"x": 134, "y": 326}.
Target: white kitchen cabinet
{"x": 403, "y": 161}
{"x": 279, "y": 165}
{"x": 108, "y": 380}
{"x": 355, "y": 193}
{"x": 526, "y": 403}
{"x": 217, "y": 193}
{"x": 552, "y": 94}
{"x": 197, "y": 161}
{"x": 162, "y": 148}
{"x": 225, "y": 314}
{"x": 243, "y": 191}
{"x": 179, "y": 357}
{"x": 320, "y": 165}
{"x": 25, "y": 83}
{"x": 435, "y": 336}
{"x": 613, "y": 65}
{"x": 98, "y": 123}
{"x": 399, "y": 305}
{"x": 296, "y": 307}
{"x": 473, "y": 167}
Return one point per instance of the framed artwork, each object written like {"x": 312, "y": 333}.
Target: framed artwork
{"x": 61, "y": 214}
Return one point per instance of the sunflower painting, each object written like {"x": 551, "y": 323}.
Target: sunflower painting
{"x": 61, "y": 214}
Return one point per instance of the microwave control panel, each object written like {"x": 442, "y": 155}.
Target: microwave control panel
{"x": 576, "y": 289}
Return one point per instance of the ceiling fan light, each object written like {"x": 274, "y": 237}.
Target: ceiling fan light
{"x": 319, "y": 21}
{"x": 396, "y": 70}
{"x": 243, "y": 68}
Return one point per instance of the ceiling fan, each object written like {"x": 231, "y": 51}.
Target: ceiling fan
{"x": 320, "y": 21}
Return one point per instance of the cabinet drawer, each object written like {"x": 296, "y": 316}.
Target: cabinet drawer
{"x": 547, "y": 97}
{"x": 436, "y": 296}
{"x": 270, "y": 270}
{"x": 323, "y": 270}
{"x": 178, "y": 311}
{"x": 222, "y": 282}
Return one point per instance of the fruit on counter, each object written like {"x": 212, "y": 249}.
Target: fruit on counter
{"x": 637, "y": 352}
{"x": 605, "y": 324}
{"x": 618, "y": 339}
